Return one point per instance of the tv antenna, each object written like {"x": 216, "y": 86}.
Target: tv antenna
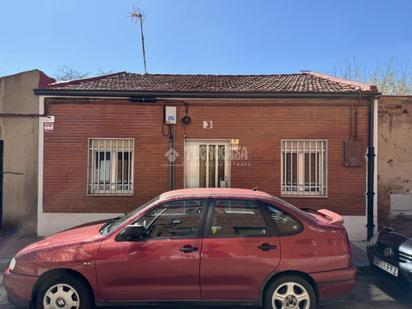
{"x": 137, "y": 16}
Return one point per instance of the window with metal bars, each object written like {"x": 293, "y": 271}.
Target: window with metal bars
{"x": 110, "y": 169}
{"x": 304, "y": 167}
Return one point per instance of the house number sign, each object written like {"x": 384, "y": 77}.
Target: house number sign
{"x": 207, "y": 124}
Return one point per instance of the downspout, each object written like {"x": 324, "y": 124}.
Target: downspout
{"x": 169, "y": 174}
{"x": 172, "y": 152}
{"x": 371, "y": 169}
{"x": 173, "y": 162}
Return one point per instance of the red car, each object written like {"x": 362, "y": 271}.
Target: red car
{"x": 191, "y": 245}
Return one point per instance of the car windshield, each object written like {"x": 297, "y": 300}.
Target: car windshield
{"x": 401, "y": 225}
{"x": 112, "y": 224}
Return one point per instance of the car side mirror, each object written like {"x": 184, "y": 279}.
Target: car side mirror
{"x": 131, "y": 233}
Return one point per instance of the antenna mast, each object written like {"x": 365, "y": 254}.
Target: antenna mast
{"x": 137, "y": 16}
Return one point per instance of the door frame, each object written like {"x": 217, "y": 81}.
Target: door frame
{"x": 271, "y": 232}
{"x": 212, "y": 141}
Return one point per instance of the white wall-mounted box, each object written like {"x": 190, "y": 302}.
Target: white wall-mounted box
{"x": 170, "y": 114}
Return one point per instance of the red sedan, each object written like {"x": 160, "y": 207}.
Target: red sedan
{"x": 191, "y": 245}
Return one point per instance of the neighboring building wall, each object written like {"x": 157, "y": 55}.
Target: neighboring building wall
{"x": 259, "y": 125}
{"x": 20, "y": 136}
{"x": 395, "y": 156}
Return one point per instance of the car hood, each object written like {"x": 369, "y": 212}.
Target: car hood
{"x": 83, "y": 234}
{"x": 67, "y": 249}
{"x": 406, "y": 246}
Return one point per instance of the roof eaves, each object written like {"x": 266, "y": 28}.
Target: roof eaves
{"x": 359, "y": 85}
{"x": 80, "y": 80}
{"x": 206, "y": 95}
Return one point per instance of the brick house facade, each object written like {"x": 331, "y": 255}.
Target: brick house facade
{"x": 395, "y": 158}
{"x": 282, "y": 121}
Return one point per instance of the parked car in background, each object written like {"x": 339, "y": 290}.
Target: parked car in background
{"x": 390, "y": 251}
{"x": 197, "y": 245}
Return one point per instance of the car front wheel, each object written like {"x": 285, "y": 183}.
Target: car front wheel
{"x": 63, "y": 292}
{"x": 290, "y": 292}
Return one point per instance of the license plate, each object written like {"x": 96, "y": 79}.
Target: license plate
{"x": 389, "y": 268}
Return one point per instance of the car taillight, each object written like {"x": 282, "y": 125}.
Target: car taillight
{"x": 346, "y": 241}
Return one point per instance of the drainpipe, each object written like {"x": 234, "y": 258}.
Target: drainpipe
{"x": 371, "y": 169}
{"x": 172, "y": 155}
{"x": 172, "y": 145}
{"x": 170, "y": 176}
{"x": 173, "y": 162}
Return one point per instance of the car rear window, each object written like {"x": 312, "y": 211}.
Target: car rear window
{"x": 285, "y": 224}
{"x": 293, "y": 208}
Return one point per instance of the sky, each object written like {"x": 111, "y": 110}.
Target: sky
{"x": 204, "y": 36}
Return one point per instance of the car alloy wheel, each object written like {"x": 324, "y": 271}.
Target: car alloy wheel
{"x": 61, "y": 296}
{"x": 290, "y": 295}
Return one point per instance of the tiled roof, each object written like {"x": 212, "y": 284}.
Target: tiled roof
{"x": 306, "y": 82}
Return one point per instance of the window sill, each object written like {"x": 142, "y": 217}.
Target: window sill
{"x": 111, "y": 194}
{"x": 303, "y": 196}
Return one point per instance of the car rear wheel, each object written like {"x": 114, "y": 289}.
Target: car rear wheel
{"x": 63, "y": 292}
{"x": 290, "y": 292}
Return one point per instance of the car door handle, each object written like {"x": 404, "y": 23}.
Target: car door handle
{"x": 188, "y": 248}
{"x": 266, "y": 247}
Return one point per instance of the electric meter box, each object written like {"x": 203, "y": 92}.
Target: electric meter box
{"x": 170, "y": 114}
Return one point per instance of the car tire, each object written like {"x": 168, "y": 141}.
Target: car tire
{"x": 67, "y": 291}
{"x": 293, "y": 290}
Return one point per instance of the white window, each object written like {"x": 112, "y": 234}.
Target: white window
{"x": 110, "y": 170}
{"x": 304, "y": 167}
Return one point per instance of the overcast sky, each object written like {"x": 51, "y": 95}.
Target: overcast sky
{"x": 213, "y": 36}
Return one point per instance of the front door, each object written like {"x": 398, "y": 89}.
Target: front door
{"x": 164, "y": 265}
{"x": 207, "y": 164}
{"x": 239, "y": 250}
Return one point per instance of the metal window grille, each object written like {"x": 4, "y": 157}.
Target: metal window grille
{"x": 110, "y": 166}
{"x": 304, "y": 167}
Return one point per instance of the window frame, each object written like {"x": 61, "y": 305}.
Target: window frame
{"x": 304, "y": 194}
{"x": 200, "y": 232}
{"x": 269, "y": 223}
{"x": 113, "y": 167}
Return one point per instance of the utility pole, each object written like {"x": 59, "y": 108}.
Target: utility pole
{"x": 137, "y": 16}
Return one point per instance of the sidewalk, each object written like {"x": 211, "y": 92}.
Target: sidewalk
{"x": 359, "y": 258}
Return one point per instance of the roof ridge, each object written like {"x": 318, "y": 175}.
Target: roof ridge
{"x": 90, "y": 78}
{"x": 362, "y": 86}
{"x": 217, "y": 75}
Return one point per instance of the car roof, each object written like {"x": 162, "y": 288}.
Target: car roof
{"x": 214, "y": 192}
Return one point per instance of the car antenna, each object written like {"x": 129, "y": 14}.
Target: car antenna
{"x": 259, "y": 185}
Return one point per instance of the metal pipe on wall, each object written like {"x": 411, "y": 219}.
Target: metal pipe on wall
{"x": 173, "y": 162}
{"x": 170, "y": 176}
{"x": 172, "y": 156}
{"x": 371, "y": 170}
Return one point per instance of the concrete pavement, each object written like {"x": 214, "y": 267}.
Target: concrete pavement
{"x": 359, "y": 258}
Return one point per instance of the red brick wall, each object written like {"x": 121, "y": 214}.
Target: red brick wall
{"x": 259, "y": 125}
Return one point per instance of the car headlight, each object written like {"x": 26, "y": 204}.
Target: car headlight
{"x": 12, "y": 264}
{"x": 374, "y": 239}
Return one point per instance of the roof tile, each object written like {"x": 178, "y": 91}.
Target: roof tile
{"x": 276, "y": 83}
